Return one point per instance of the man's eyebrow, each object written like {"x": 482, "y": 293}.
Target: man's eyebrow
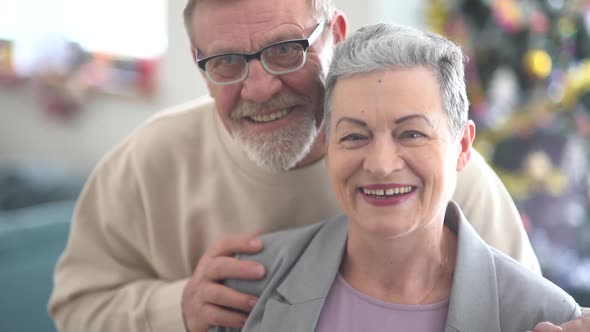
{"x": 230, "y": 49}
{"x": 220, "y": 51}
{"x": 351, "y": 120}
{"x": 284, "y": 36}
{"x": 411, "y": 117}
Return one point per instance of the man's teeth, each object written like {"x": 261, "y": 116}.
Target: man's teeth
{"x": 387, "y": 192}
{"x": 269, "y": 117}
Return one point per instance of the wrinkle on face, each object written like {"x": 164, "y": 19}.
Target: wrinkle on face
{"x": 253, "y": 26}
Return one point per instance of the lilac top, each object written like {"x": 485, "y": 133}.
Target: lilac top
{"x": 348, "y": 310}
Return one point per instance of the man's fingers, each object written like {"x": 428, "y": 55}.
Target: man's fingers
{"x": 218, "y": 316}
{"x": 247, "y": 244}
{"x": 216, "y": 305}
{"x": 546, "y": 327}
{"x": 207, "y": 303}
{"x": 227, "y": 297}
{"x": 580, "y": 324}
{"x": 231, "y": 268}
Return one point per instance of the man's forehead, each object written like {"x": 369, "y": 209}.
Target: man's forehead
{"x": 242, "y": 25}
{"x": 253, "y": 41}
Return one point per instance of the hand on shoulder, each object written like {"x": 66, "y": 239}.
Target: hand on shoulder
{"x": 580, "y": 324}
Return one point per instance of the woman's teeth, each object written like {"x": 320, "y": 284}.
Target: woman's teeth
{"x": 387, "y": 192}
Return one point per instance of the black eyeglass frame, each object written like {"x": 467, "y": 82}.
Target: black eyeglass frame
{"x": 305, "y": 44}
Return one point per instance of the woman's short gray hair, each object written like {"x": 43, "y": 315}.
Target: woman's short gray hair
{"x": 320, "y": 9}
{"x": 383, "y": 46}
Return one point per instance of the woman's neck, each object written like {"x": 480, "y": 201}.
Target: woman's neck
{"x": 412, "y": 269}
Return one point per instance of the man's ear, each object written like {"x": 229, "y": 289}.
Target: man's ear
{"x": 465, "y": 143}
{"x": 338, "y": 26}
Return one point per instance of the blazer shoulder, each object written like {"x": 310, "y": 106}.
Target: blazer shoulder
{"x": 526, "y": 298}
{"x": 280, "y": 253}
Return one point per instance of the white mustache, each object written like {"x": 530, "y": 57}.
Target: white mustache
{"x": 246, "y": 109}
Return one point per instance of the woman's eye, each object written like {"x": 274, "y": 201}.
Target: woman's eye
{"x": 412, "y": 138}
{"x": 412, "y": 134}
{"x": 352, "y": 138}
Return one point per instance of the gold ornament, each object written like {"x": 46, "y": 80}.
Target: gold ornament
{"x": 537, "y": 63}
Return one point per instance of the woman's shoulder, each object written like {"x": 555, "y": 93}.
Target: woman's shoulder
{"x": 525, "y": 295}
{"x": 283, "y": 249}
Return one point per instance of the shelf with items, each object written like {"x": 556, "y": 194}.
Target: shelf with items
{"x": 62, "y": 86}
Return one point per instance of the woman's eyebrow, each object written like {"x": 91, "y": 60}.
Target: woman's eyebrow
{"x": 351, "y": 120}
{"x": 413, "y": 116}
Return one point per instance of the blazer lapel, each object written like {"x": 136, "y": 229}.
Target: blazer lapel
{"x": 299, "y": 299}
{"x": 474, "y": 304}
{"x": 298, "y": 317}
{"x": 301, "y": 295}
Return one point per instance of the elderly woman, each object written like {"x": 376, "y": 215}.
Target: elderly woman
{"x": 403, "y": 257}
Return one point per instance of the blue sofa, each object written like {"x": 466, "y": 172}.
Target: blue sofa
{"x": 31, "y": 240}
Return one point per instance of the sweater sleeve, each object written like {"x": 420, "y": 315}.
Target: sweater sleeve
{"x": 489, "y": 208}
{"x": 105, "y": 279}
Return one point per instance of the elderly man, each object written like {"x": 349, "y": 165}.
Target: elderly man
{"x": 162, "y": 214}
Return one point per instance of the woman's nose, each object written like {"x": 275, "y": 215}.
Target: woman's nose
{"x": 383, "y": 158}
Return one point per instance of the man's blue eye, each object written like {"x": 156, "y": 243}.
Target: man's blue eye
{"x": 281, "y": 50}
{"x": 284, "y": 48}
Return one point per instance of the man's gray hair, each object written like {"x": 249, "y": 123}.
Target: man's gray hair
{"x": 383, "y": 47}
{"x": 320, "y": 9}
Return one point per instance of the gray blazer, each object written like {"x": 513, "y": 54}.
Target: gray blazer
{"x": 491, "y": 291}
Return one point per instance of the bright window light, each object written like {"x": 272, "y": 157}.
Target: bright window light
{"x": 39, "y": 29}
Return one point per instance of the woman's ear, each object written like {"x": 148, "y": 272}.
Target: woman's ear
{"x": 466, "y": 142}
{"x": 338, "y": 26}
{"x": 323, "y": 138}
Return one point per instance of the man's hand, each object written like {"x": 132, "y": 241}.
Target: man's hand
{"x": 205, "y": 301}
{"x": 580, "y": 324}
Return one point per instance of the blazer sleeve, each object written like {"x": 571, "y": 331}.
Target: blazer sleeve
{"x": 534, "y": 299}
{"x": 486, "y": 203}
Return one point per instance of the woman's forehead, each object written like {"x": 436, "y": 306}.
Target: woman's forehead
{"x": 391, "y": 94}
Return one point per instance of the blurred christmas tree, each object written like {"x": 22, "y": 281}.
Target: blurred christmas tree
{"x": 529, "y": 85}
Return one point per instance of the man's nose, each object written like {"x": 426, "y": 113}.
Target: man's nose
{"x": 383, "y": 158}
{"x": 260, "y": 86}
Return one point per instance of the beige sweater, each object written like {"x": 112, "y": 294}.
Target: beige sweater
{"x": 175, "y": 186}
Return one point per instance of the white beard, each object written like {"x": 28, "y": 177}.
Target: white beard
{"x": 279, "y": 150}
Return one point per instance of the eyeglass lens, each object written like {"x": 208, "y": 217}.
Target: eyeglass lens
{"x": 277, "y": 59}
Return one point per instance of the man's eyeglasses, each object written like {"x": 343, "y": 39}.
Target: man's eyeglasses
{"x": 277, "y": 59}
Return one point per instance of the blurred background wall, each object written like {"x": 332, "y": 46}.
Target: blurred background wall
{"x": 26, "y": 134}
{"x": 44, "y": 159}
{"x": 529, "y": 87}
